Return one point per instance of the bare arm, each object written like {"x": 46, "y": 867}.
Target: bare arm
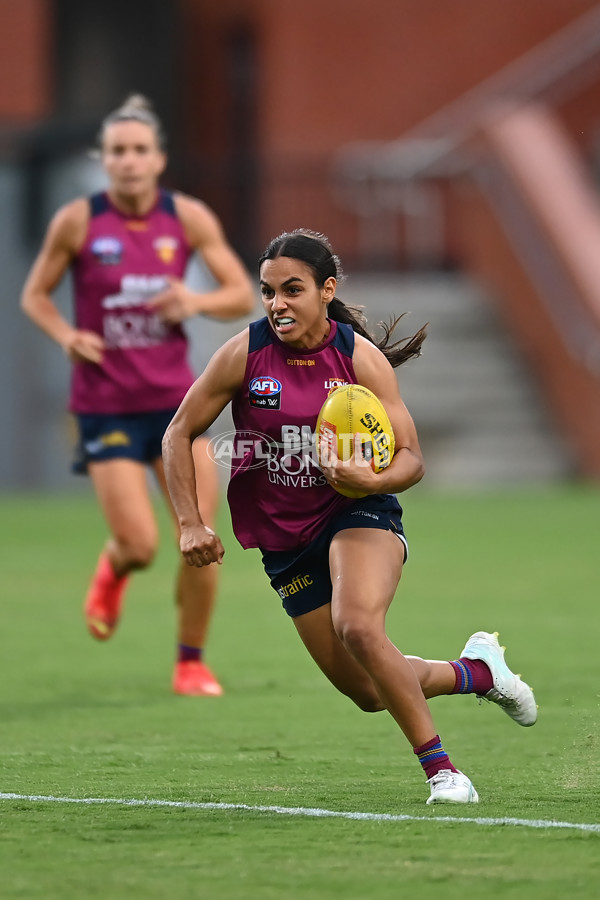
{"x": 374, "y": 372}
{"x": 234, "y": 295}
{"x": 207, "y": 397}
{"x": 63, "y": 239}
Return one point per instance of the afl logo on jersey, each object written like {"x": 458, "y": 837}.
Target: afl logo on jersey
{"x": 107, "y": 250}
{"x": 166, "y": 248}
{"x": 265, "y": 392}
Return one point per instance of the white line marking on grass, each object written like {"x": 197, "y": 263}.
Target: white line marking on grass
{"x": 304, "y": 811}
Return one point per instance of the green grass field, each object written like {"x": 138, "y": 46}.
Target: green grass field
{"x": 86, "y": 720}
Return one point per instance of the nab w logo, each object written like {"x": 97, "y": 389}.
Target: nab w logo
{"x": 265, "y": 392}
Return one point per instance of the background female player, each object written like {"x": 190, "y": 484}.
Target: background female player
{"x": 127, "y": 250}
{"x": 335, "y": 562}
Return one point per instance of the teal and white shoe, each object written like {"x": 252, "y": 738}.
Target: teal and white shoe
{"x": 451, "y": 787}
{"x": 510, "y": 693}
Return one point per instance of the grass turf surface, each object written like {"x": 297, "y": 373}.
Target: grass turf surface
{"x": 82, "y": 719}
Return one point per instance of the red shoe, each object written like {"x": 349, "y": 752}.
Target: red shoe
{"x": 193, "y": 679}
{"x": 104, "y": 600}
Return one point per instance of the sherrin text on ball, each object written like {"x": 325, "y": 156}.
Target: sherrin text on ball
{"x": 349, "y": 410}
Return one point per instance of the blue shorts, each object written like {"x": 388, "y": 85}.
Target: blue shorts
{"x": 301, "y": 577}
{"x": 136, "y": 436}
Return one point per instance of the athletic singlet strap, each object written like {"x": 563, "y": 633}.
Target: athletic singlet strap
{"x": 98, "y": 203}
{"x": 260, "y": 335}
{"x": 167, "y": 203}
{"x": 344, "y": 339}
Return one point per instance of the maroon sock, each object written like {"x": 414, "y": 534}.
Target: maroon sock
{"x": 472, "y": 677}
{"x": 433, "y": 757}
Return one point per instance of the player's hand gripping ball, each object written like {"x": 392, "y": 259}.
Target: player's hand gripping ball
{"x": 353, "y": 409}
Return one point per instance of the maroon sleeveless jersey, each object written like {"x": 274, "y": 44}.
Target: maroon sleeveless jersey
{"x": 279, "y": 498}
{"x": 122, "y": 264}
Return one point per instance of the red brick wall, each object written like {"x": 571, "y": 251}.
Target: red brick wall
{"x": 339, "y": 70}
{"x": 334, "y": 71}
{"x": 25, "y": 60}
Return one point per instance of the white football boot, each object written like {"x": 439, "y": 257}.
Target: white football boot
{"x": 509, "y": 691}
{"x": 451, "y": 787}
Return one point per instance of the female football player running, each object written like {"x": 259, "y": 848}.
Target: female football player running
{"x": 128, "y": 249}
{"x": 334, "y": 561}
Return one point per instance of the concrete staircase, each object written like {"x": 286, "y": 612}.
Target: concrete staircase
{"x": 480, "y": 416}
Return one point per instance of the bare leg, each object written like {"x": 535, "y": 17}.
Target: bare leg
{"x": 196, "y": 588}
{"x": 345, "y": 673}
{"x": 348, "y": 641}
{"x": 435, "y": 676}
{"x": 122, "y": 490}
{"x": 366, "y": 565}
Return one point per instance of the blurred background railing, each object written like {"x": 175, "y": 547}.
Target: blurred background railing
{"x": 527, "y": 219}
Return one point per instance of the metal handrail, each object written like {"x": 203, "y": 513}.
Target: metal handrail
{"x": 575, "y": 322}
{"x": 560, "y": 66}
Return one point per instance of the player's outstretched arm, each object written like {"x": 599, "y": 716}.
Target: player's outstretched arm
{"x": 207, "y": 397}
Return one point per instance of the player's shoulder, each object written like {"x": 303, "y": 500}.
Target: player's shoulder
{"x": 370, "y": 362}
{"x": 228, "y": 363}
{"x": 197, "y": 218}
{"x": 192, "y": 207}
{"x": 367, "y": 349}
{"x": 237, "y": 346}
{"x": 69, "y": 223}
{"x": 75, "y": 211}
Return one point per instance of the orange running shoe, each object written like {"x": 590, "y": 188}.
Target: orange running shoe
{"x": 193, "y": 679}
{"x": 104, "y": 600}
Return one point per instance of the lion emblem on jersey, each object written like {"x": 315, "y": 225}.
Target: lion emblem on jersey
{"x": 166, "y": 248}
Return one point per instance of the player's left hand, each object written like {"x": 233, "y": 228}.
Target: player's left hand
{"x": 355, "y": 472}
{"x": 176, "y": 303}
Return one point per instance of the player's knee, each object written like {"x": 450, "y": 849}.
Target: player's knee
{"x": 140, "y": 552}
{"x": 358, "y": 635}
{"x": 368, "y": 702}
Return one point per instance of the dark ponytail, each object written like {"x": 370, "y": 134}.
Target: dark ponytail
{"x": 314, "y": 249}
{"x": 396, "y": 353}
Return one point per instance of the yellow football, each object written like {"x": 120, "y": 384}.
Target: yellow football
{"x": 353, "y": 409}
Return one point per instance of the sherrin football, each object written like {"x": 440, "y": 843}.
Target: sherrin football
{"x": 353, "y": 409}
